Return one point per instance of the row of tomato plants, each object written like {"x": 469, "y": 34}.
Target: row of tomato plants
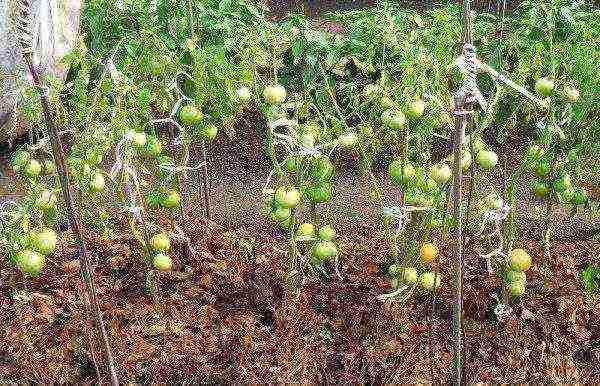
{"x": 305, "y": 176}
{"x": 129, "y": 108}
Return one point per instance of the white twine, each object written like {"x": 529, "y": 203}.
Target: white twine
{"x": 403, "y": 289}
{"x": 494, "y": 217}
{"x": 402, "y": 214}
{"x": 503, "y": 312}
{"x": 270, "y": 177}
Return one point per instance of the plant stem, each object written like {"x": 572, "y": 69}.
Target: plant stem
{"x": 205, "y": 182}
{"x": 510, "y": 227}
{"x": 547, "y": 235}
{"x": 75, "y": 220}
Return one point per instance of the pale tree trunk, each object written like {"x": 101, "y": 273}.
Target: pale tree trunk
{"x": 54, "y": 29}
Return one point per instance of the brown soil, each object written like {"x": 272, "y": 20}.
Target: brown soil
{"x": 230, "y": 318}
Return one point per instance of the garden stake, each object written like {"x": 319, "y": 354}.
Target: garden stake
{"x": 25, "y": 39}
{"x": 86, "y": 270}
{"x": 462, "y": 107}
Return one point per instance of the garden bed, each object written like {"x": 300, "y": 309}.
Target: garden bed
{"x": 230, "y": 317}
{"x": 269, "y": 202}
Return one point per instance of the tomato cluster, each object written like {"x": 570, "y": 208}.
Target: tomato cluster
{"x": 556, "y": 185}
{"x": 513, "y": 271}
{"x": 429, "y": 280}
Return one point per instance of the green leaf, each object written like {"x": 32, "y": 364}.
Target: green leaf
{"x": 591, "y": 279}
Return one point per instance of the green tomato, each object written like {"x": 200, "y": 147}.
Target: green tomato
{"x": 97, "y": 182}
{"x": 319, "y": 193}
{"x": 327, "y": 233}
{"x": 160, "y": 242}
{"x": 281, "y": 214}
{"x": 493, "y": 201}
{"x": 162, "y": 262}
{"x": 567, "y": 196}
{"x": 153, "y": 146}
{"x": 465, "y": 161}
{"x": 544, "y": 86}
{"x": 394, "y": 120}
{"x": 562, "y": 183}
{"x": 321, "y": 168}
{"x": 430, "y": 281}
{"x": 516, "y": 276}
{"x": 399, "y": 175}
{"x": 307, "y": 140}
{"x": 312, "y": 128}
{"x": 20, "y": 160}
{"x": 45, "y": 241}
{"x": 324, "y": 250}
{"x": 410, "y": 275}
{"x": 440, "y": 173}
{"x": 540, "y": 189}
{"x": 428, "y": 185}
{"x": 275, "y": 95}
{"x": 416, "y": 109}
{"x": 292, "y": 163}
{"x": 487, "y": 159}
{"x": 394, "y": 270}
{"x": 46, "y": 200}
{"x": 287, "y": 198}
{"x": 30, "y": 262}
{"x": 542, "y": 168}
{"x": 306, "y": 230}
{"x": 171, "y": 199}
{"x": 517, "y": 288}
{"x": 190, "y": 115}
{"x": 349, "y": 139}
{"x": 139, "y": 139}
{"x": 209, "y": 132}
{"x": 580, "y": 196}
{"x": 33, "y": 169}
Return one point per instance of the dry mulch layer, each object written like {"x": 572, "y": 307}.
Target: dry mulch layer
{"x": 230, "y": 316}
